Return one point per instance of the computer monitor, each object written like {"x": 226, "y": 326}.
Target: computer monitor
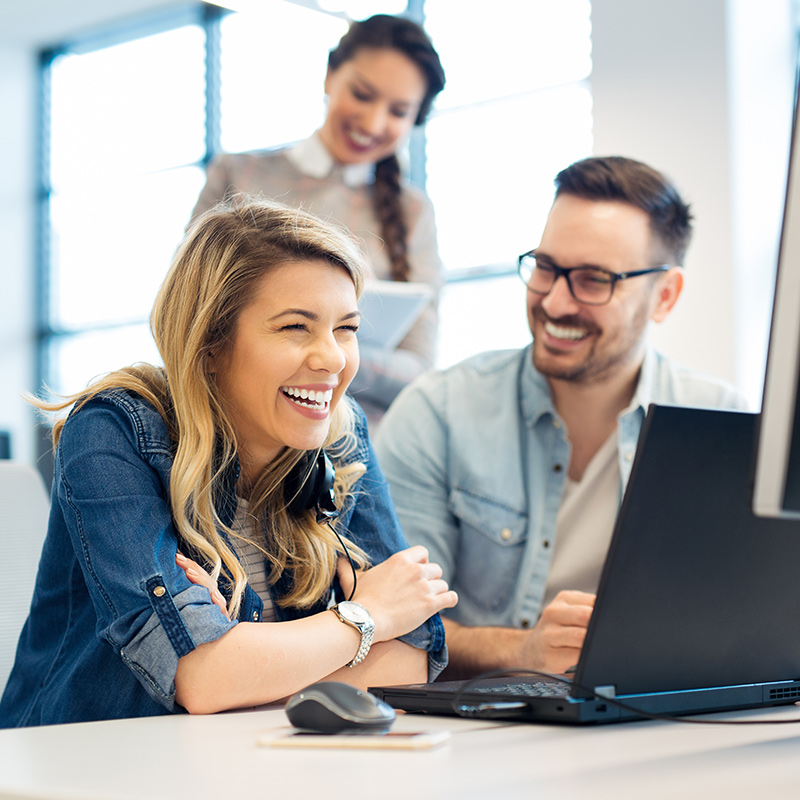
{"x": 777, "y": 468}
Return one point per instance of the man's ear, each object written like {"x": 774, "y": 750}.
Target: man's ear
{"x": 667, "y": 291}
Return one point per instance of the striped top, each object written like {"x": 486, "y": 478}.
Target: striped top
{"x": 251, "y": 558}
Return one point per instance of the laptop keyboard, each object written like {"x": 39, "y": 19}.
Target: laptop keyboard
{"x": 526, "y": 689}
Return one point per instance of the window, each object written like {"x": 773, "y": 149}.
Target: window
{"x": 127, "y": 138}
{"x": 516, "y": 110}
{"x": 132, "y": 122}
{"x": 254, "y": 63}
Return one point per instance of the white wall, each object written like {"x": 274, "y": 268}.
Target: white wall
{"x": 703, "y": 91}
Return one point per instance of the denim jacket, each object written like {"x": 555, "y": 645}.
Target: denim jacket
{"x": 476, "y": 457}
{"x": 111, "y": 611}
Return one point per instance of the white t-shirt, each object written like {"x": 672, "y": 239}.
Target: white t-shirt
{"x": 584, "y": 524}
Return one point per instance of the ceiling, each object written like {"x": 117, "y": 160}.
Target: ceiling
{"x": 36, "y": 24}
{"x": 42, "y": 23}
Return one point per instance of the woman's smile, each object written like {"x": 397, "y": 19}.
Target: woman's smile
{"x": 315, "y": 399}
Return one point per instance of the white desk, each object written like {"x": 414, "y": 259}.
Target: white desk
{"x": 217, "y": 757}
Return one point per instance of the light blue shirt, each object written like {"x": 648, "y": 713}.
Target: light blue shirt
{"x": 476, "y": 457}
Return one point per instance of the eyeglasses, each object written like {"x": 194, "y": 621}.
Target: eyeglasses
{"x": 591, "y": 286}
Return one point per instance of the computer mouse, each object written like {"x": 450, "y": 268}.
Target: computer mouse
{"x": 331, "y": 707}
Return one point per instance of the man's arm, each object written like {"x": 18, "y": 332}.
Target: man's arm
{"x": 411, "y": 446}
{"x": 552, "y": 645}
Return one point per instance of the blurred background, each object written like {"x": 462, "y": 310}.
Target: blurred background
{"x": 110, "y": 112}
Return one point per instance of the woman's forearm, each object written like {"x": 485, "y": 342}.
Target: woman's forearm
{"x": 257, "y": 663}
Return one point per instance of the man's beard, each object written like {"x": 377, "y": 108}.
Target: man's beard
{"x": 594, "y": 367}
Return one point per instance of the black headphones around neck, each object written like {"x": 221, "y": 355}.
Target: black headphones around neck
{"x": 310, "y": 486}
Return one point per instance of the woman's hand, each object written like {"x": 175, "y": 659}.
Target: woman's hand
{"x": 400, "y": 593}
{"x": 196, "y": 574}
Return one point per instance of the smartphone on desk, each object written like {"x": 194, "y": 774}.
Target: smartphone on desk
{"x": 412, "y": 740}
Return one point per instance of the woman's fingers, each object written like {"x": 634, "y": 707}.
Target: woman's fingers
{"x": 403, "y": 591}
{"x": 197, "y": 575}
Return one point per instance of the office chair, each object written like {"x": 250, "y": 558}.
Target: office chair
{"x": 24, "y": 509}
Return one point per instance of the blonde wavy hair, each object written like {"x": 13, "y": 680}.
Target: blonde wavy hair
{"x": 225, "y": 253}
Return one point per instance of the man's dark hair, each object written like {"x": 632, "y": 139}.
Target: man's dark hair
{"x": 630, "y": 181}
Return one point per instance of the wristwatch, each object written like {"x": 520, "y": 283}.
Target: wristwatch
{"x": 357, "y": 616}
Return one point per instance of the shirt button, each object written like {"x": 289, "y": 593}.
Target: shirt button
{"x": 546, "y": 543}
{"x": 526, "y": 623}
{"x": 558, "y": 467}
{"x": 505, "y": 534}
{"x": 255, "y": 616}
{"x": 159, "y": 591}
{"x": 629, "y": 456}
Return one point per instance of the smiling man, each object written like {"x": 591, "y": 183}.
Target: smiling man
{"x": 510, "y": 466}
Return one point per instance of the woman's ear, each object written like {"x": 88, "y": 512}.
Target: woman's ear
{"x": 667, "y": 291}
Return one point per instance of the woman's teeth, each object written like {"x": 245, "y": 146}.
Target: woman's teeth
{"x": 308, "y": 397}
{"x": 361, "y": 139}
{"x": 559, "y": 332}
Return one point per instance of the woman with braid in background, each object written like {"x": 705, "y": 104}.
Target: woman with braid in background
{"x": 382, "y": 79}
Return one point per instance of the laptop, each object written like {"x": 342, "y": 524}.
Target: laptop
{"x": 698, "y": 607}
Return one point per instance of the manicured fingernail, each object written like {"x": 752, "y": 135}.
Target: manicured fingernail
{"x": 180, "y": 557}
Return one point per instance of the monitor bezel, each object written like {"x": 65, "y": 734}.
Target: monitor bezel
{"x": 777, "y": 428}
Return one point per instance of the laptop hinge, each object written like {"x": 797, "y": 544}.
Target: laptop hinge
{"x": 606, "y": 691}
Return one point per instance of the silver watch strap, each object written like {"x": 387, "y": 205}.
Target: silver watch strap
{"x": 366, "y": 643}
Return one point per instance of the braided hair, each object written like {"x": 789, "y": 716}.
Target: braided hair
{"x": 383, "y": 31}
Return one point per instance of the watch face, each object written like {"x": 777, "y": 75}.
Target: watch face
{"x": 354, "y": 612}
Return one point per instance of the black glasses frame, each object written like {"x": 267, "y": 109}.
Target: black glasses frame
{"x": 613, "y": 277}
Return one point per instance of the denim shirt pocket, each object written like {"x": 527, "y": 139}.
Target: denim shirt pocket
{"x": 492, "y": 540}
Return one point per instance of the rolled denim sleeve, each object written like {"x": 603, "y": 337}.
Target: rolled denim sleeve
{"x": 176, "y": 627}
{"x": 112, "y": 489}
{"x": 372, "y": 523}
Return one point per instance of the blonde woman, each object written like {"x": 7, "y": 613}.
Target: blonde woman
{"x": 191, "y": 562}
